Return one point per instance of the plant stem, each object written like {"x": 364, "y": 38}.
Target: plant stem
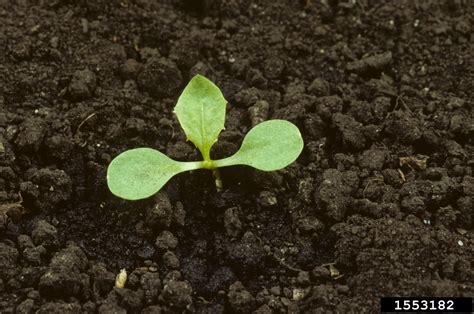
{"x": 217, "y": 176}
{"x": 193, "y": 165}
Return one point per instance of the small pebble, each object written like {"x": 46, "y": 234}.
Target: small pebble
{"x": 166, "y": 240}
{"x": 54, "y": 42}
{"x": 170, "y": 260}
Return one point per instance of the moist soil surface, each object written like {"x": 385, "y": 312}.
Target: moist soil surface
{"x": 380, "y": 203}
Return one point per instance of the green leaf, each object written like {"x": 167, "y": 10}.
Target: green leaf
{"x": 201, "y": 113}
{"x": 141, "y": 172}
{"x": 270, "y": 145}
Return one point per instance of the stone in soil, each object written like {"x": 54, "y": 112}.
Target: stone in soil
{"x": 34, "y": 255}
{"x": 327, "y": 106}
{"x": 166, "y": 240}
{"x": 65, "y": 276}
{"x": 401, "y": 126}
{"x": 334, "y": 192}
{"x": 319, "y": 87}
{"x": 103, "y": 280}
{"x": 351, "y": 131}
{"x": 160, "y": 77}
{"x": 83, "y": 84}
{"x": 131, "y": 300}
{"x": 177, "y": 293}
{"x": 159, "y": 215}
{"x": 240, "y": 300}
{"x": 372, "y": 159}
{"x": 130, "y": 69}
{"x": 31, "y": 134}
{"x": 373, "y": 63}
{"x": 247, "y": 253}
{"x": 44, "y": 233}
{"x": 48, "y": 189}
{"x": 259, "y": 112}
{"x": 170, "y": 260}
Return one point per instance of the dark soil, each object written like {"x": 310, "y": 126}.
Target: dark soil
{"x": 380, "y": 203}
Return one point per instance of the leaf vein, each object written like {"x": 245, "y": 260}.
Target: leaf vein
{"x": 202, "y": 130}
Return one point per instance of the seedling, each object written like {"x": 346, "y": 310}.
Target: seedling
{"x": 141, "y": 172}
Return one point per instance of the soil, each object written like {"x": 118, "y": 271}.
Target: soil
{"x": 380, "y": 203}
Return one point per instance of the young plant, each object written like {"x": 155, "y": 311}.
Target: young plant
{"x": 141, "y": 172}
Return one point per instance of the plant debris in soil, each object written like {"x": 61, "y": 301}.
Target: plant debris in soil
{"x": 379, "y": 204}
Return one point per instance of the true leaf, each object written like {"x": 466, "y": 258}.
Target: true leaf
{"x": 201, "y": 113}
{"x": 141, "y": 172}
{"x": 270, "y": 145}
